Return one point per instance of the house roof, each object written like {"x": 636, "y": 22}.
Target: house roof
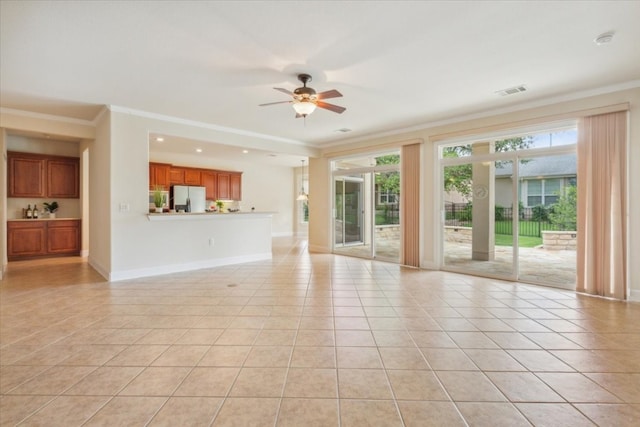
{"x": 541, "y": 167}
{"x": 399, "y": 64}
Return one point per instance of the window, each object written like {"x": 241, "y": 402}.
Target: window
{"x": 387, "y": 198}
{"x": 543, "y": 191}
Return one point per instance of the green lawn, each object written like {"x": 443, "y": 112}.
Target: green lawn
{"x": 524, "y": 241}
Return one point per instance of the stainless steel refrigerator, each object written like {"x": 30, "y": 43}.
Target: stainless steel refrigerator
{"x": 195, "y": 195}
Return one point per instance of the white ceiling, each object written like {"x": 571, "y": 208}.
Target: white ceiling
{"x": 398, "y": 64}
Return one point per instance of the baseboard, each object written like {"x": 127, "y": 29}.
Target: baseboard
{"x": 634, "y": 296}
{"x": 429, "y": 265}
{"x": 84, "y": 253}
{"x": 99, "y": 268}
{"x": 190, "y": 266}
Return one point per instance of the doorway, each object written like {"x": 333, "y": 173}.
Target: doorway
{"x": 366, "y": 198}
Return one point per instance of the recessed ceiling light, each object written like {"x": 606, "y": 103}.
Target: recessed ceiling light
{"x": 159, "y": 139}
{"x": 198, "y": 150}
{"x": 604, "y": 38}
{"x": 245, "y": 151}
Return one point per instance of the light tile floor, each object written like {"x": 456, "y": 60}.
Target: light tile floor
{"x": 310, "y": 340}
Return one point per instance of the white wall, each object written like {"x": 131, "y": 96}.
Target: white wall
{"x": 100, "y": 178}
{"x": 139, "y": 245}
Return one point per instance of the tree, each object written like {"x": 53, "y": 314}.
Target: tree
{"x": 564, "y": 212}
{"x": 459, "y": 177}
{"x": 388, "y": 182}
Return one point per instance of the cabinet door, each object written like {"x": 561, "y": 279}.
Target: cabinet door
{"x": 176, "y": 176}
{"x": 235, "y": 186}
{"x": 210, "y": 181}
{"x": 191, "y": 176}
{"x": 224, "y": 180}
{"x": 26, "y": 177}
{"x": 26, "y": 239}
{"x": 159, "y": 175}
{"x": 63, "y": 178}
{"x": 63, "y": 237}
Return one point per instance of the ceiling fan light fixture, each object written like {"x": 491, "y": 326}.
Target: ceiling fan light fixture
{"x": 304, "y": 107}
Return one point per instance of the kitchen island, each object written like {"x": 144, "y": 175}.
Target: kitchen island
{"x": 176, "y": 242}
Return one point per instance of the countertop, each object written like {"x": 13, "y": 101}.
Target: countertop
{"x": 45, "y": 219}
{"x": 204, "y": 215}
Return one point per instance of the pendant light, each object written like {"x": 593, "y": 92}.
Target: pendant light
{"x": 302, "y": 196}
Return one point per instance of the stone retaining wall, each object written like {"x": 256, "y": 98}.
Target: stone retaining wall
{"x": 559, "y": 240}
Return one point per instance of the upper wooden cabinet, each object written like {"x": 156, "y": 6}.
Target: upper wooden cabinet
{"x": 63, "y": 178}
{"x": 191, "y": 176}
{"x": 219, "y": 184}
{"x": 35, "y": 175}
{"x": 235, "y": 186}
{"x": 176, "y": 175}
{"x": 159, "y": 175}
{"x": 224, "y": 180}
{"x": 210, "y": 182}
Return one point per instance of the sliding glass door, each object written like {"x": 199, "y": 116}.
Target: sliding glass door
{"x": 366, "y": 220}
{"x": 509, "y": 208}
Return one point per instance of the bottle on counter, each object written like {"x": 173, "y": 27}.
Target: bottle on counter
{"x": 35, "y": 212}
{"x": 29, "y": 212}
{"x": 188, "y": 209}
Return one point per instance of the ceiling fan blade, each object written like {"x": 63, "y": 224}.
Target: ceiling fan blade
{"x": 335, "y": 108}
{"x": 329, "y": 94}
{"x": 283, "y": 90}
{"x": 274, "y": 103}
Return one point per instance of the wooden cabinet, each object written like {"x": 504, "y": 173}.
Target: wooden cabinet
{"x": 176, "y": 176}
{"x": 209, "y": 180}
{"x": 34, "y": 175}
{"x": 235, "y": 186}
{"x": 63, "y": 178}
{"x": 42, "y": 238}
{"x": 192, "y": 176}
{"x": 224, "y": 180}
{"x": 159, "y": 175}
{"x": 63, "y": 237}
{"x": 27, "y": 175}
{"x": 26, "y": 239}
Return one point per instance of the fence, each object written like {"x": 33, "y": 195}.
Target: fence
{"x": 533, "y": 220}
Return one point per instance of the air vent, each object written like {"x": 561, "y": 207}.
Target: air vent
{"x": 511, "y": 90}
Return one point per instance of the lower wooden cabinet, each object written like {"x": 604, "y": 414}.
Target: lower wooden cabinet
{"x": 43, "y": 238}
{"x": 26, "y": 239}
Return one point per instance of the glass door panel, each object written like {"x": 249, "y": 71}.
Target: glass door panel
{"x": 349, "y": 219}
{"x": 386, "y": 236}
{"x": 478, "y": 219}
{"x": 548, "y": 220}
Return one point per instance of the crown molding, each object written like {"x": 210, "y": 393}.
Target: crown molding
{"x": 202, "y": 125}
{"x": 41, "y": 116}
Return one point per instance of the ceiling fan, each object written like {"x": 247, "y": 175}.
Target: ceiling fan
{"x": 305, "y": 99}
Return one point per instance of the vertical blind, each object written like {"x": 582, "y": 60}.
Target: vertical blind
{"x": 602, "y": 234}
{"x": 410, "y": 205}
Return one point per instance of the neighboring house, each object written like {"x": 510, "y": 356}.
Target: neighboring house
{"x": 541, "y": 180}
